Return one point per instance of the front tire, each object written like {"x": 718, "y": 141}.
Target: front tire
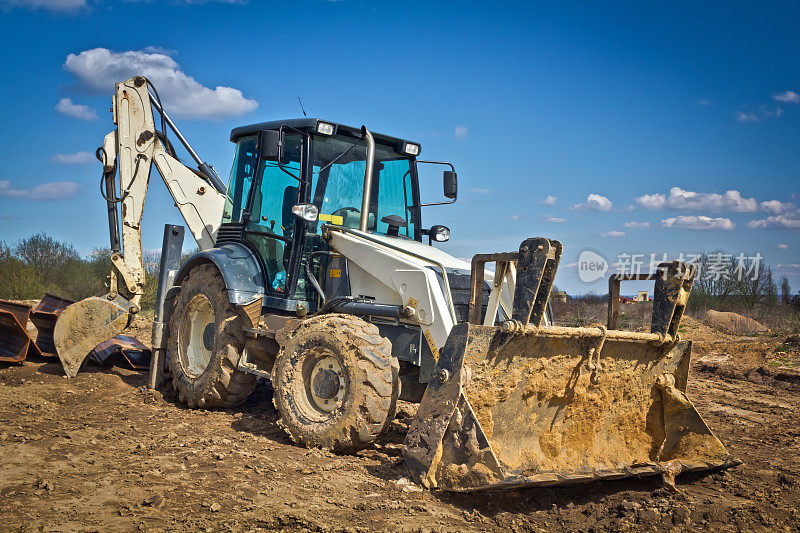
{"x": 205, "y": 342}
{"x": 336, "y": 383}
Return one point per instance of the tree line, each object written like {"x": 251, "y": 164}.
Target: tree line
{"x": 42, "y": 264}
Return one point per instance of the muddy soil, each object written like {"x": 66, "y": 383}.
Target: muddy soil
{"x": 100, "y": 452}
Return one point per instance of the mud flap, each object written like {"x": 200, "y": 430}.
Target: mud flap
{"x": 84, "y": 325}
{"x": 526, "y": 410}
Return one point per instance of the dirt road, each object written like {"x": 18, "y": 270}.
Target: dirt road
{"x": 100, "y": 452}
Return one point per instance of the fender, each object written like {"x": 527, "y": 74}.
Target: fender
{"x": 239, "y": 267}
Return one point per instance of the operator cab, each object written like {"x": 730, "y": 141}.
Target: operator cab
{"x": 290, "y": 178}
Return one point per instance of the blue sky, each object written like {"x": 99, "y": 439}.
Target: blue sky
{"x": 682, "y": 121}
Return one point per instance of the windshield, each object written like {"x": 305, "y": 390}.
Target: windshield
{"x": 338, "y": 182}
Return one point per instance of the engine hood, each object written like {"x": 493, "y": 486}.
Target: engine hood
{"x": 428, "y": 252}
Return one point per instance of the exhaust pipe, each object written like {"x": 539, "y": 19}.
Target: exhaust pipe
{"x": 370, "y": 165}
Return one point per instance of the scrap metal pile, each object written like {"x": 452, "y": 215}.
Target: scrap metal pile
{"x": 26, "y": 330}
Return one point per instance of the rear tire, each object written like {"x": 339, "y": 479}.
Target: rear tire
{"x": 336, "y": 383}
{"x": 206, "y": 340}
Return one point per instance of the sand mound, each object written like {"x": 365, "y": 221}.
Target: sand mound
{"x": 734, "y": 323}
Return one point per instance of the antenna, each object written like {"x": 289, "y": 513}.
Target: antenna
{"x": 301, "y": 107}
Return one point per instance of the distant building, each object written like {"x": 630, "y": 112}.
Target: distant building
{"x": 558, "y": 296}
{"x": 641, "y": 296}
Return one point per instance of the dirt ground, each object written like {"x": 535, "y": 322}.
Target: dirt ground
{"x": 101, "y": 452}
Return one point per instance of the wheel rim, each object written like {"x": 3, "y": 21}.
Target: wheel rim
{"x": 199, "y": 335}
{"x": 325, "y": 384}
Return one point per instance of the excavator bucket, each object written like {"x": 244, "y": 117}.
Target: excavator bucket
{"x": 85, "y": 324}
{"x": 524, "y": 404}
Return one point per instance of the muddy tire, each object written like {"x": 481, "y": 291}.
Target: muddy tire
{"x": 205, "y": 341}
{"x": 336, "y": 383}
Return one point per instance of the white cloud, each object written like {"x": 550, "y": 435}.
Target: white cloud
{"x": 549, "y": 200}
{"x": 788, "y": 97}
{"x": 159, "y": 50}
{"x": 62, "y": 6}
{"x": 57, "y": 190}
{"x": 730, "y": 201}
{"x": 461, "y": 132}
{"x": 193, "y": 2}
{"x": 613, "y": 233}
{"x": 99, "y": 68}
{"x": 747, "y": 117}
{"x": 651, "y": 201}
{"x": 698, "y": 222}
{"x": 783, "y": 247}
{"x": 637, "y": 225}
{"x": 514, "y": 217}
{"x": 594, "y": 202}
{"x": 78, "y": 158}
{"x": 776, "y": 207}
{"x": 763, "y": 112}
{"x": 65, "y": 106}
{"x": 787, "y": 221}
{"x": 480, "y": 191}
{"x": 682, "y": 199}
{"x": 555, "y": 220}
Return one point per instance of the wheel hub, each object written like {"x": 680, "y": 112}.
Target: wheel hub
{"x": 201, "y": 334}
{"x": 327, "y": 384}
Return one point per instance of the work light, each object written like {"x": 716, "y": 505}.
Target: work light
{"x": 411, "y": 149}
{"x": 307, "y": 212}
{"x": 325, "y": 128}
{"x": 440, "y": 233}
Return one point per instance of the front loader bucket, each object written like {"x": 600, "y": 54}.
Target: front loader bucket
{"x": 85, "y": 324}
{"x": 529, "y": 405}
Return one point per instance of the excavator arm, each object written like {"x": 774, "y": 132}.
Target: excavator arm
{"x": 129, "y": 152}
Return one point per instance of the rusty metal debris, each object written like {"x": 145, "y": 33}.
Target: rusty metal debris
{"x": 134, "y": 354}
{"x": 523, "y": 404}
{"x": 14, "y": 339}
{"x": 44, "y": 317}
{"x": 18, "y": 339}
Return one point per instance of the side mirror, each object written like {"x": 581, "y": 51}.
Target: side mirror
{"x": 270, "y": 145}
{"x": 450, "y": 184}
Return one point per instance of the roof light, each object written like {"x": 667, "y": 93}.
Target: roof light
{"x": 325, "y": 128}
{"x": 411, "y": 149}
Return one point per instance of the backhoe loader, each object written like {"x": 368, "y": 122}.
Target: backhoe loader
{"x": 313, "y": 273}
